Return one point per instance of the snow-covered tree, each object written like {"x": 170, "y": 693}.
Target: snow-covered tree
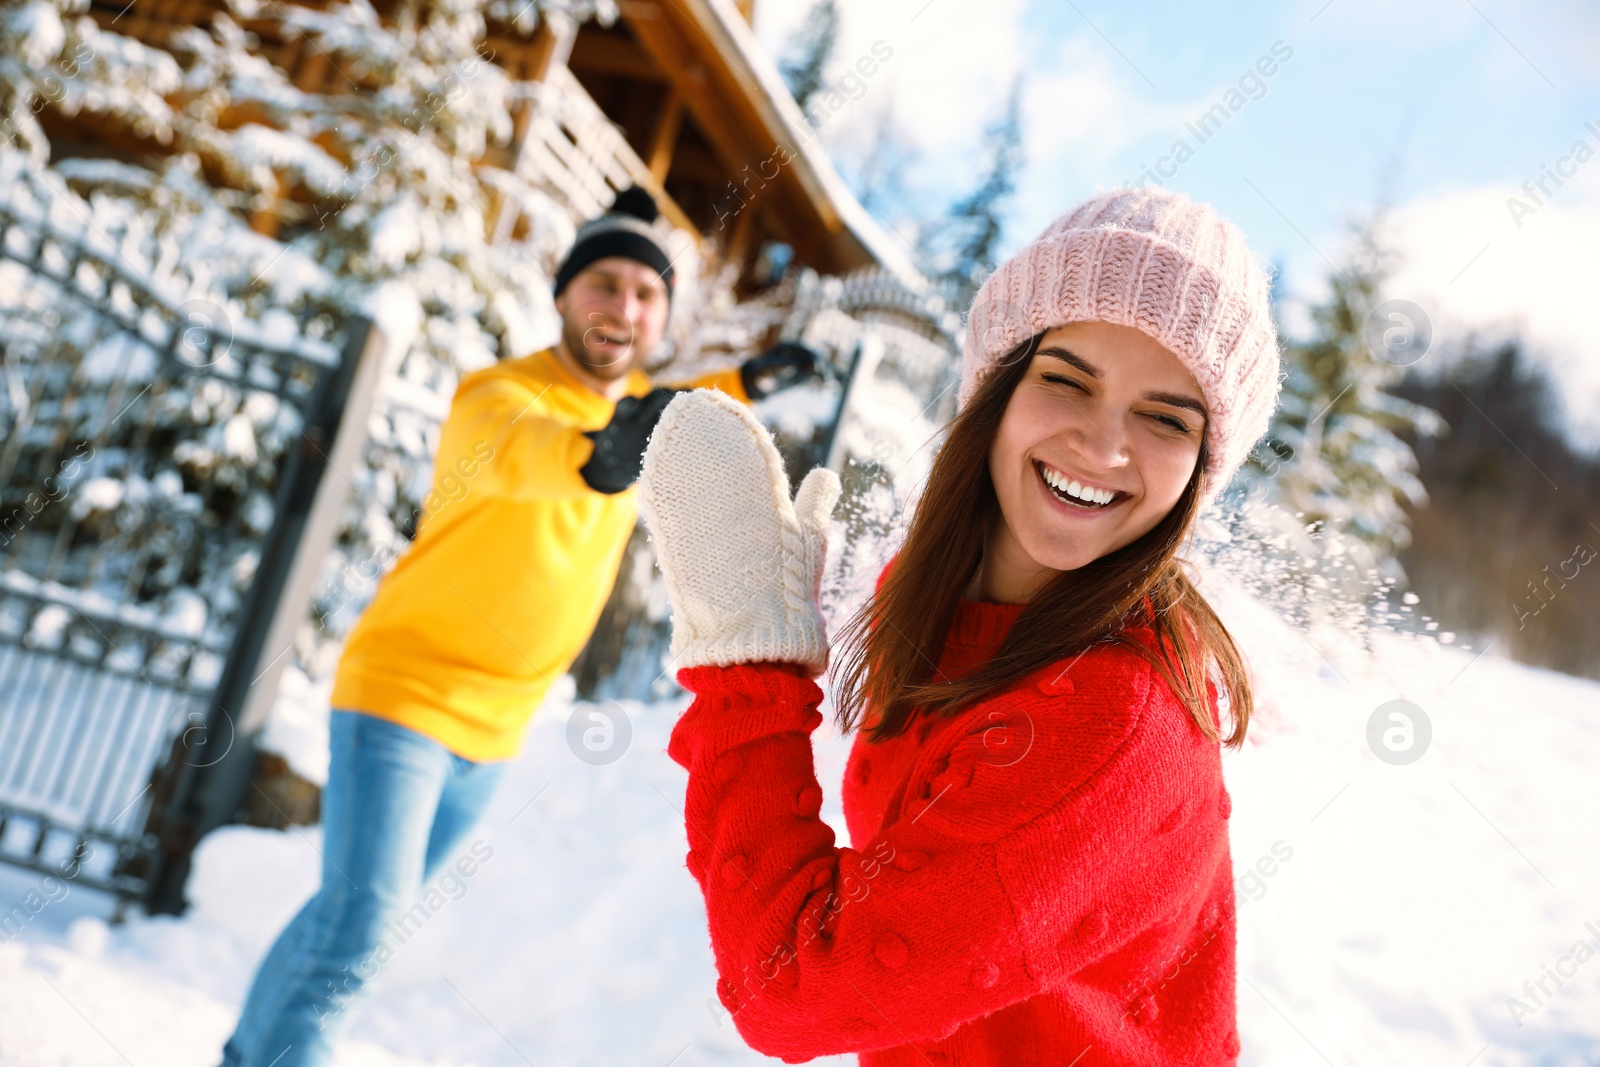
{"x": 524, "y": 15}
{"x": 813, "y": 48}
{"x": 1321, "y": 501}
{"x": 301, "y": 209}
{"x": 212, "y": 448}
{"x": 281, "y": 205}
{"x": 877, "y": 169}
{"x": 967, "y": 240}
{"x": 1334, "y": 455}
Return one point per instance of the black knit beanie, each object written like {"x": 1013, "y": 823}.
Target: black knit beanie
{"x": 624, "y": 230}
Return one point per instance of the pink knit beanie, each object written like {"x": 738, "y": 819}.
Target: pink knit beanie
{"x": 1161, "y": 263}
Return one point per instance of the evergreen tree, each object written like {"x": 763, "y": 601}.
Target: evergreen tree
{"x": 1507, "y": 548}
{"x": 880, "y": 175}
{"x": 1334, "y": 457}
{"x": 974, "y": 224}
{"x": 813, "y": 50}
{"x": 370, "y": 198}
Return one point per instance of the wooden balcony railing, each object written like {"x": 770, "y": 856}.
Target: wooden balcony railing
{"x": 572, "y": 151}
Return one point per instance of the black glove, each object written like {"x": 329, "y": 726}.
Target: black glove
{"x": 779, "y": 367}
{"x": 619, "y": 446}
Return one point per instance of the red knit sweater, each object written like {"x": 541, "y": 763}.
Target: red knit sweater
{"x": 1043, "y": 879}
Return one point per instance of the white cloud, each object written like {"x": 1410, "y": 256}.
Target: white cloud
{"x": 1536, "y": 281}
{"x": 949, "y": 77}
{"x": 1366, "y": 22}
{"x": 1550, "y": 43}
{"x": 949, "y": 69}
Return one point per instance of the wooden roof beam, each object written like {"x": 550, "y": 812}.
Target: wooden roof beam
{"x": 614, "y": 55}
{"x": 665, "y": 137}
{"x": 683, "y": 70}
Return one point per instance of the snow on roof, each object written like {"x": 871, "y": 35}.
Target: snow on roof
{"x": 786, "y": 123}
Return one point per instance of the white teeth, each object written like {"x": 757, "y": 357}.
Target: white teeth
{"x": 1075, "y": 488}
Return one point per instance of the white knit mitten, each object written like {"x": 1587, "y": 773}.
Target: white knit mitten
{"x": 743, "y": 565}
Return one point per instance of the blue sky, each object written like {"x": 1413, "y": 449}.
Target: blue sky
{"x": 1463, "y": 96}
{"x": 1472, "y": 98}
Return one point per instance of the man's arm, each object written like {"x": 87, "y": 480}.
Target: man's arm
{"x": 499, "y": 439}
{"x": 729, "y": 380}
{"x": 513, "y": 447}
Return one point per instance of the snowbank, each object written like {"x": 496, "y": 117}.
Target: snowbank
{"x": 1387, "y": 912}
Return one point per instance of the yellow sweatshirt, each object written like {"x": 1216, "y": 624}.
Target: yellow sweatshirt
{"x": 512, "y": 562}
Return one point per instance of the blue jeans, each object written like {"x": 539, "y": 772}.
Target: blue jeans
{"x": 395, "y": 806}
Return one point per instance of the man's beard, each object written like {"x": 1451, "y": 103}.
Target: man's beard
{"x": 605, "y": 365}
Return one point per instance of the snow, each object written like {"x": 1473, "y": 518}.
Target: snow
{"x": 297, "y": 729}
{"x": 185, "y": 613}
{"x": 106, "y": 172}
{"x": 1386, "y": 912}
{"x": 49, "y": 626}
{"x": 38, "y": 30}
{"x": 184, "y": 616}
{"x": 98, "y": 494}
{"x": 258, "y": 146}
{"x": 523, "y": 335}
{"x": 239, "y": 439}
{"x": 798, "y": 412}
{"x": 394, "y": 309}
{"x": 120, "y": 356}
{"x": 1419, "y": 896}
{"x": 398, "y": 233}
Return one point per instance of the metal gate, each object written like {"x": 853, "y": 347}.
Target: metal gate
{"x": 156, "y": 462}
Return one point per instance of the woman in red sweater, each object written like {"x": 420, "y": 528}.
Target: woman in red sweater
{"x": 1040, "y": 871}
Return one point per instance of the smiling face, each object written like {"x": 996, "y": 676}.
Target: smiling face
{"x": 1095, "y": 447}
{"x": 613, "y": 313}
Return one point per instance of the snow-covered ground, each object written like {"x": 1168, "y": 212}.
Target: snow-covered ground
{"x": 1387, "y": 912}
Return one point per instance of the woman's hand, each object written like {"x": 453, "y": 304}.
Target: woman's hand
{"x": 743, "y": 565}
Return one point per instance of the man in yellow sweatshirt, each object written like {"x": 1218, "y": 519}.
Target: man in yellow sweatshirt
{"x": 515, "y": 554}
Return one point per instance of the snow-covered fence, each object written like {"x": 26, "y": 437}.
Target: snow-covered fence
{"x": 155, "y": 471}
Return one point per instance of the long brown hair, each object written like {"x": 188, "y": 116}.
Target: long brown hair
{"x": 891, "y": 646}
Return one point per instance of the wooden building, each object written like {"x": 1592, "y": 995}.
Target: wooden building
{"x": 675, "y": 95}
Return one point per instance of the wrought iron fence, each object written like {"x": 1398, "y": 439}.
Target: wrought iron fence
{"x": 156, "y": 460}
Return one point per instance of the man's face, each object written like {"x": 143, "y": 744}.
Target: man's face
{"x": 613, "y": 314}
